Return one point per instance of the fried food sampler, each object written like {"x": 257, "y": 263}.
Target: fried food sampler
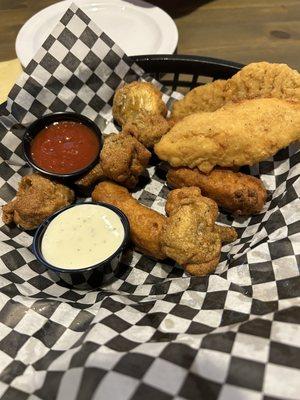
{"x": 37, "y": 198}
{"x": 145, "y": 224}
{"x": 189, "y": 235}
{"x": 123, "y": 159}
{"x": 256, "y": 80}
{"x": 235, "y": 192}
{"x": 237, "y": 134}
{"x": 147, "y": 128}
{"x": 134, "y": 97}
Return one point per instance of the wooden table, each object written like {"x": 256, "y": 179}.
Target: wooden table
{"x": 237, "y": 30}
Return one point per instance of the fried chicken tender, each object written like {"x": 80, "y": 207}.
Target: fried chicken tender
{"x": 134, "y": 97}
{"x": 237, "y": 134}
{"x": 145, "y": 224}
{"x": 189, "y": 235}
{"x": 147, "y": 128}
{"x": 235, "y": 192}
{"x": 37, "y": 198}
{"x": 123, "y": 159}
{"x": 256, "y": 80}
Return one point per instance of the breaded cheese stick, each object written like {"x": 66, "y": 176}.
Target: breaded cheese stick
{"x": 145, "y": 224}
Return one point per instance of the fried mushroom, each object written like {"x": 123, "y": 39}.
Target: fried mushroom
{"x": 190, "y": 236}
{"x": 147, "y": 128}
{"x": 135, "y": 97}
{"x": 123, "y": 159}
{"x": 37, "y": 198}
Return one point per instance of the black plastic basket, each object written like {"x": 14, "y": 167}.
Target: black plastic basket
{"x": 183, "y": 72}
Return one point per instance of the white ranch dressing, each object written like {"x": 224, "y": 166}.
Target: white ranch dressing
{"x": 82, "y": 236}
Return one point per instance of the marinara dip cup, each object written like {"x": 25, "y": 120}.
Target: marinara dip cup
{"x": 83, "y": 243}
{"x": 62, "y": 145}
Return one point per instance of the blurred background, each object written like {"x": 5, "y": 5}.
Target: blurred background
{"x": 237, "y": 30}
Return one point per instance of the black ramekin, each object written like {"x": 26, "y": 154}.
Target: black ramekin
{"x": 93, "y": 276}
{"x": 49, "y": 119}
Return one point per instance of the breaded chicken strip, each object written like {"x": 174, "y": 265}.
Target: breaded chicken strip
{"x": 147, "y": 128}
{"x": 235, "y": 192}
{"x": 122, "y": 159}
{"x": 37, "y": 198}
{"x": 189, "y": 235}
{"x": 145, "y": 224}
{"x": 256, "y": 80}
{"x": 238, "y": 134}
{"x": 135, "y": 97}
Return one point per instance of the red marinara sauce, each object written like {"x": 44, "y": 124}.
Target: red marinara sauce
{"x": 64, "y": 147}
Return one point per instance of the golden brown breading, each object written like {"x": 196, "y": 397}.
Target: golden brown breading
{"x": 190, "y": 236}
{"x": 208, "y": 97}
{"x": 186, "y": 243}
{"x": 147, "y": 128}
{"x": 123, "y": 159}
{"x": 37, "y": 198}
{"x": 227, "y": 234}
{"x": 235, "y": 192}
{"x": 187, "y": 195}
{"x": 237, "y": 134}
{"x": 256, "y": 80}
{"x": 145, "y": 224}
{"x": 134, "y": 97}
{"x": 90, "y": 178}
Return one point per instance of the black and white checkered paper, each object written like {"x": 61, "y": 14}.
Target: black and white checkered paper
{"x": 154, "y": 333}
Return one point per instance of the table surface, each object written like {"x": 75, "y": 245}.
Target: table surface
{"x": 237, "y": 30}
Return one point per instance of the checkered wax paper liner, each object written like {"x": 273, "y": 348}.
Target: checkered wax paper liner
{"x": 154, "y": 333}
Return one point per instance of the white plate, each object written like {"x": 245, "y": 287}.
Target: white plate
{"x": 136, "y": 26}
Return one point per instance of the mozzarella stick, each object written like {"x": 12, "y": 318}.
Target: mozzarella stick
{"x": 145, "y": 224}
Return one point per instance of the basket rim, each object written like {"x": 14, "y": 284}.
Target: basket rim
{"x": 187, "y": 58}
